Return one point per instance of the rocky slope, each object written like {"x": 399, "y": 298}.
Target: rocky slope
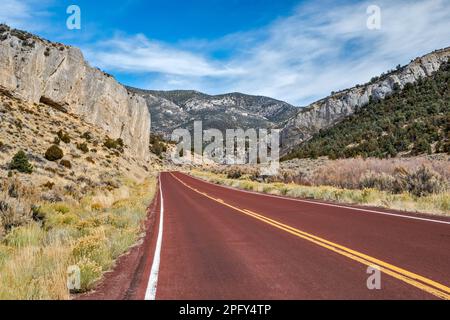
{"x": 57, "y": 75}
{"x": 86, "y": 163}
{"x": 331, "y": 110}
{"x": 173, "y": 109}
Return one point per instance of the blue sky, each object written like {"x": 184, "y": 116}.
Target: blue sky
{"x": 297, "y": 51}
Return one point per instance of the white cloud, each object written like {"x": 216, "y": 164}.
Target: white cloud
{"x": 301, "y": 58}
{"x": 24, "y": 14}
{"x": 14, "y": 12}
{"x": 320, "y": 48}
{"x": 138, "y": 54}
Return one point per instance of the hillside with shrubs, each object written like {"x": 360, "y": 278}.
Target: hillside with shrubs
{"x": 69, "y": 195}
{"x": 412, "y": 121}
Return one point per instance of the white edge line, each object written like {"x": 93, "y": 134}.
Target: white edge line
{"x": 150, "y": 293}
{"x": 322, "y": 204}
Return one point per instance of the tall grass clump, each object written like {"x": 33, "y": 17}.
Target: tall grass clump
{"x": 16, "y": 204}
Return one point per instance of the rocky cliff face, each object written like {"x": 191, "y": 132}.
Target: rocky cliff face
{"x": 57, "y": 75}
{"x": 174, "y": 109}
{"x": 327, "y": 112}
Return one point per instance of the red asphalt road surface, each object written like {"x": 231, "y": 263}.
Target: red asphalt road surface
{"x": 212, "y": 251}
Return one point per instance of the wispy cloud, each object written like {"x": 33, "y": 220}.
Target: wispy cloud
{"x": 320, "y": 48}
{"x": 15, "y": 12}
{"x": 323, "y": 48}
{"x": 138, "y": 54}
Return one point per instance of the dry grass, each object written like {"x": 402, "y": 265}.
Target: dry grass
{"x": 418, "y": 175}
{"x": 16, "y": 204}
{"x": 91, "y": 233}
{"x": 348, "y": 173}
{"x": 75, "y": 211}
{"x": 432, "y": 204}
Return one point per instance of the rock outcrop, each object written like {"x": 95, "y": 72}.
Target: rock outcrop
{"x": 329, "y": 111}
{"x": 58, "y": 75}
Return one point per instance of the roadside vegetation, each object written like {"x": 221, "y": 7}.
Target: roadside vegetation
{"x": 415, "y": 185}
{"x": 39, "y": 240}
{"x": 158, "y": 145}
{"x": 412, "y": 121}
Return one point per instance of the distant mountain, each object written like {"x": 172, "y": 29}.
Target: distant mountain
{"x": 179, "y": 109}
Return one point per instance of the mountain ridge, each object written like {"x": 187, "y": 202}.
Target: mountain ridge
{"x": 180, "y": 108}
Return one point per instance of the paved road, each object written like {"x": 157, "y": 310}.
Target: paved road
{"x": 218, "y": 243}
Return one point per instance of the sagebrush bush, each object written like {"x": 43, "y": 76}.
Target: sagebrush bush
{"x": 63, "y": 136}
{"x": 381, "y": 181}
{"x": 87, "y": 136}
{"x": 234, "y": 174}
{"x": 54, "y": 153}
{"x": 422, "y": 182}
{"x": 16, "y": 201}
{"x": 83, "y": 147}
{"x": 157, "y": 145}
{"x": 90, "y": 273}
{"x": 114, "y": 144}
{"x": 90, "y": 160}
{"x": 425, "y": 181}
{"x": 87, "y": 246}
{"x": 48, "y": 185}
{"x": 20, "y": 163}
{"x": 66, "y": 163}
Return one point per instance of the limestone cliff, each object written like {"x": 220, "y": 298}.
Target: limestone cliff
{"x": 327, "y": 112}
{"x": 58, "y": 75}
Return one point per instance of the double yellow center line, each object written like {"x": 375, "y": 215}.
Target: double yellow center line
{"x": 418, "y": 281}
